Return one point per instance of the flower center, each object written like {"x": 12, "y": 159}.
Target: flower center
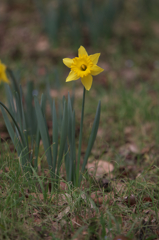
{"x": 83, "y": 67}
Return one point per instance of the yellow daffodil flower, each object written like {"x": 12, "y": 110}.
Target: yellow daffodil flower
{"x": 83, "y": 67}
{"x": 3, "y": 76}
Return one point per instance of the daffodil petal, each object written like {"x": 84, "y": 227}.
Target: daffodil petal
{"x": 82, "y": 51}
{"x": 72, "y": 76}
{"x": 87, "y": 82}
{"x": 68, "y": 62}
{"x": 95, "y": 70}
{"x": 4, "y": 78}
{"x": 94, "y": 58}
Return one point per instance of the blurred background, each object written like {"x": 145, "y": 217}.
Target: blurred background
{"x": 35, "y": 35}
{"x": 31, "y": 30}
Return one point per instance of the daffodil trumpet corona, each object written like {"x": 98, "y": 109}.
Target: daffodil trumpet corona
{"x": 83, "y": 67}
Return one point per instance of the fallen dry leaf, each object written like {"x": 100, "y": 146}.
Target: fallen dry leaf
{"x": 119, "y": 187}
{"x": 99, "y": 198}
{"x": 121, "y": 237}
{"x": 40, "y": 196}
{"x": 6, "y": 169}
{"x": 76, "y": 221}
{"x": 64, "y": 198}
{"x": 128, "y": 148}
{"x": 42, "y": 44}
{"x": 4, "y": 136}
{"x": 37, "y": 218}
{"x": 55, "y": 226}
{"x": 99, "y": 168}
{"x": 129, "y": 130}
{"x": 44, "y": 234}
{"x": 147, "y": 199}
{"x": 54, "y": 93}
{"x": 151, "y": 215}
{"x": 96, "y": 194}
{"x": 37, "y": 195}
{"x": 63, "y": 186}
{"x": 63, "y": 213}
{"x": 127, "y": 171}
{"x": 147, "y": 149}
{"x": 85, "y": 198}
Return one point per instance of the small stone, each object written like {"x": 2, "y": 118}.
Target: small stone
{"x": 131, "y": 200}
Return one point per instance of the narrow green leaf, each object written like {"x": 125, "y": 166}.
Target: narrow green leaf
{"x": 37, "y": 142}
{"x": 69, "y": 107}
{"x": 70, "y": 161}
{"x": 67, "y": 161}
{"x": 24, "y": 127}
{"x": 18, "y": 141}
{"x": 73, "y": 93}
{"x": 10, "y": 99}
{"x": 14, "y": 121}
{"x": 19, "y": 111}
{"x": 92, "y": 136}
{"x": 59, "y": 115}
{"x": 25, "y": 153}
{"x": 30, "y": 110}
{"x": 15, "y": 140}
{"x": 39, "y": 180}
{"x": 44, "y": 132}
{"x": 15, "y": 85}
{"x": 24, "y": 158}
{"x": 48, "y": 95}
{"x": 80, "y": 139}
{"x": 62, "y": 138}
{"x": 73, "y": 149}
{"x": 55, "y": 136}
{"x": 38, "y": 137}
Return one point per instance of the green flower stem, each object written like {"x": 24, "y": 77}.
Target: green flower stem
{"x": 80, "y": 139}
